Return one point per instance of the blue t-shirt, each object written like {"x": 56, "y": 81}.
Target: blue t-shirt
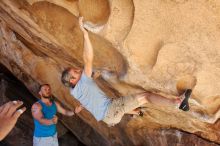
{"x": 91, "y": 97}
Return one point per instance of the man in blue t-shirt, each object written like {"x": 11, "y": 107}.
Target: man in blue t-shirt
{"x": 84, "y": 89}
{"x": 45, "y": 119}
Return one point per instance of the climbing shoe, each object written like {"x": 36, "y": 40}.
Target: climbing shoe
{"x": 185, "y": 104}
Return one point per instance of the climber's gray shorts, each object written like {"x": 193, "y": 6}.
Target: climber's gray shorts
{"x": 45, "y": 141}
{"x": 118, "y": 108}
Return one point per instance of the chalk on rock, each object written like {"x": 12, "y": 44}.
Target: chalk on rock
{"x": 92, "y": 27}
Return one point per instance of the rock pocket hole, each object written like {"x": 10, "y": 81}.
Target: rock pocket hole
{"x": 95, "y": 11}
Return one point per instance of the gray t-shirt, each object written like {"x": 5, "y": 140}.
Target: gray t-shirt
{"x": 91, "y": 97}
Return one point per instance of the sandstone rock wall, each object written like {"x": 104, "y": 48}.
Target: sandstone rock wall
{"x": 163, "y": 46}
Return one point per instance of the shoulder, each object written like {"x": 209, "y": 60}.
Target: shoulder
{"x": 36, "y": 105}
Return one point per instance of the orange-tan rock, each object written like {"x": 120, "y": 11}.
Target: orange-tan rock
{"x": 163, "y": 46}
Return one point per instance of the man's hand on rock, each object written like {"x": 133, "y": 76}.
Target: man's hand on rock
{"x": 78, "y": 109}
{"x": 70, "y": 113}
{"x": 96, "y": 74}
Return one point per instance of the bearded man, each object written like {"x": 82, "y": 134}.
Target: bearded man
{"x": 45, "y": 119}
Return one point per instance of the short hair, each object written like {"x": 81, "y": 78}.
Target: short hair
{"x": 65, "y": 78}
{"x": 42, "y": 86}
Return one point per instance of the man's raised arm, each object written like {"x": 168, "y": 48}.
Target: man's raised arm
{"x": 88, "y": 50}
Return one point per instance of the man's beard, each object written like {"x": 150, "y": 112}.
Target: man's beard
{"x": 47, "y": 97}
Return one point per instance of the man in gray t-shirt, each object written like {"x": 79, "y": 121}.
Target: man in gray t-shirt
{"x": 84, "y": 89}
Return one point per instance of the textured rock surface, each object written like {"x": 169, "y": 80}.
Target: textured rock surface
{"x": 163, "y": 46}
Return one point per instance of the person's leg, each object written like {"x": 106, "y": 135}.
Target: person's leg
{"x": 156, "y": 99}
{"x": 131, "y": 104}
{"x": 159, "y": 100}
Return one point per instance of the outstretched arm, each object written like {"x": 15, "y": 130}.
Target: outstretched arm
{"x": 63, "y": 111}
{"x": 88, "y": 50}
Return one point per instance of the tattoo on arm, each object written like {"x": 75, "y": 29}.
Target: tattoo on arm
{"x": 35, "y": 110}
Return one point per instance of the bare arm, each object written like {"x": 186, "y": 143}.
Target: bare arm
{"x": 88, "y": 50}
{"x": 38, "y": 115}
{"x": 63, "y": 111}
